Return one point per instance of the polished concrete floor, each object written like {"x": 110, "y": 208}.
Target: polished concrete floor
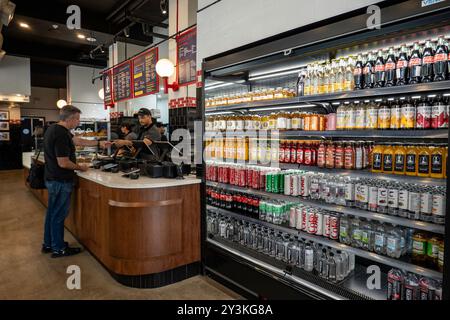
{"x": 25, "y": 273}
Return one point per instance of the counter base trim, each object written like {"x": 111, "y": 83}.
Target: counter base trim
{"x": 157, "y": 280}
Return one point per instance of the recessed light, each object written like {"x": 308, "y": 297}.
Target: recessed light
{"x": 24, "y": 25}
{"x": 81, "y": 36}
{"x": 19, "y": 95}
{"x": 91, "y": 39}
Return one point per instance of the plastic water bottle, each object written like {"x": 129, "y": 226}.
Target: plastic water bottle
{"x": 393, "y": 243}
{"x": 380, "y": 239}
{"x": 345, "y": 230}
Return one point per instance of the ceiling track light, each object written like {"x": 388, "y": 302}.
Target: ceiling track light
{"x": 126, "y": 32}
{"x": 163, "y": 5}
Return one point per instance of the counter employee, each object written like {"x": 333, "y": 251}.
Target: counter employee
{"x": 146, "y": 134}
{"x": 60, "y": 164}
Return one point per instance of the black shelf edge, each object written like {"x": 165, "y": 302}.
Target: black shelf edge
{"x": 420, "y": 225}
{"x": 339, "y": 246}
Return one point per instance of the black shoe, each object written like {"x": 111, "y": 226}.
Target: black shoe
{"x": 68, "y": 251}
{"x": 46, "y": 249}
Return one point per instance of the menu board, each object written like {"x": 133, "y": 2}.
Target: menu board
{"x": 145, "y": 78}
{"x": 107, "y": 88}
{"x": 187, "y": 57}
{"x": 122, "y": 82}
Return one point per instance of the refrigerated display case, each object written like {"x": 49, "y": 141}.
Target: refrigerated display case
{"x": 268, "y": 231}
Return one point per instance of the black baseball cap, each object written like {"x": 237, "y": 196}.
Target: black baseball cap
{"x": 144, "y": 112}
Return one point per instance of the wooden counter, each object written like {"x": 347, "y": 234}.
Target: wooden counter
{"x": 145, "y": 237}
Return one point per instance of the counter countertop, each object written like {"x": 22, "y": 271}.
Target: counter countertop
{"x": 116, "y": 181}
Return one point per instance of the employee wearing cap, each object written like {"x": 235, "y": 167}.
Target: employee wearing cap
{"x": 147, "y": 134}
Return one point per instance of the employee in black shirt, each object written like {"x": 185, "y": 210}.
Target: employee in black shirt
{"x": 147, "y": 134}
{"x": 60, "y": 164}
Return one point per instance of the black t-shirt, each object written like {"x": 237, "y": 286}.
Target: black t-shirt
{"x": 58, "y": 143}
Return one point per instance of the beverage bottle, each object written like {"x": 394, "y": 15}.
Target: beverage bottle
{"x": 349, "y": 156}
{"x": 294, "y": 152}
{"x": 359, "y": 155}
{"x": 340, "y": 75}
{"x": 388, "y": 159}
{"x": 351, "y": 114}
{"x": 308, "y": 258}
{"x": 333, "y": 77}
{"x": 322, "y": 260}
{"x": 300, "y": 153}
{"x": 372, "y": 116}
{"x": 358, "y": 73}
{"x": 382, "y": 199}
{"x": 437, "y": 163}
{"x": 408, "y": 115}
{"x": 393, "y": 199}
{"x": 340, "y": 269}
{"x": 360, "y": 116}
{"x": 395, "y": 285}
{"x": 345, "y": 230}
{"x": 428, "y": 62}
{"x": 340, "y": 117}
{"x": 380, "y": 70}
{"x": 339, "y": 156}
{"x": 307, "y": 82}
{"x": 396, "y": 115}
{"x": 331, "y": 268}
{"x": 390, "y": 66}
{"x": 293, "y": 252}
{"x": 349, "y": 83}
{"x": 424, "y": 161}
{"x": 426, "y": 287}
{"x": 373, "y": 197}
{"x": 423, "y": 118}
{"x": 419, "y": 248}
{"x": 326, "y": 78}
{"x": 411, "y": 161}
{"x": 415, "y": 64}
{"x": 367, "y": 236}
{"x": 433, "y": 252}
{"x": 412, "y": 290}
{"x": 356, "y": 233}
{"x": 439, "y": 115}
{"x": 384, "y": 116}
{"x": 377, "y": 158}
{"x": 402, "y": 69}
{"x": 393, "y": 243}
{"x": 369, "y": 71}
{"x": 330, "y": 155}
{"x": 379, "y": 239}
{"x": 440, "y": 60}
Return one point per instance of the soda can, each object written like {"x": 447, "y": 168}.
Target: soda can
{"x": 319, "y": 222}
{"x": 326, "y": 225}
{"x": 382, "y": 199}
{"x": 393, "y": 201}
{"x": 256, "y": 179}
{"x": 334, "y": 227}
{"x": 269, "y": 181}
{"x": 276, "y": 183}
{"x": 304, "y": 219}
{"x": 262, "y": 180}
{"x": 287, "y": 185}
{"x": 403, "y": 200}
{"x": 312, "y": 220}
{"x": 438, "y": 116}
{"x": 293, "y": 217}
{"x": 262, "y": 210}
{"x": 281, "y": 181}
{"x": 294, "y": 185}
{"x": 249, "y": 174}
{"x": 438, "y": 207}
{"x": 426, "y": 205}
{"x": 299, "y": 217}
{"x": 305, "y": 185}
{"x": 373, "y": 198}
{"x": 414, "y": 204}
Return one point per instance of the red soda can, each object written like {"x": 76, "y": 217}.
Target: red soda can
{"x": 220, "y": 176}
{"x": 249, "y": 177}
{"x": 232, "y": 175}
{"x": 242, "y": 177}
{"x": 334, "y": 227}
{"x": 439, "y": 116}
{"x": 214, "y": 173}
{"x": 226, "y": 175}
{"x": 304, "y": 220}
{"x": 262, "y": 180}
{"x": 423, "y": 118}
{"x": 327, "y": 226}
{"x": 312, "y": 222}
{"x": 256, "y": 179}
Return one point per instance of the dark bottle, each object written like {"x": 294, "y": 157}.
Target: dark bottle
{"x": 390, "y": 66}
{"x": 415, "y": 65}
{"x": 380, "y": 71}
{"x": 358, "y": 73}
{"x": 402, "y": 69}
{"x": 428, "y": 62}
{"x": 369, "y": 72}
{"x": 441, "y": 60}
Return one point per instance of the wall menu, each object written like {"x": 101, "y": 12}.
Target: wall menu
{"x": 107, "y": 87}
{"x": 145, "y": 78}
{"x": 187, "y": 57}
{"x": 122, "y": 82}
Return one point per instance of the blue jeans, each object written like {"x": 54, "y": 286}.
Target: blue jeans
{"x": 59, "y": 193}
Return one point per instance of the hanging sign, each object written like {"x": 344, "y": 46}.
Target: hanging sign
{"x": 122, "y": 84}
{"x": 145, "y": 78}
{"x": 187, "y": 57}
{"x": 107, "y": 88}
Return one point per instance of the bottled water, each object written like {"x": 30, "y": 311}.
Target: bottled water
{"x": 309, "y": 258}
{"x": 340, "y": 268}
{"x": 331, "y": 268}
{"x": 345, "y": 230}
{"x": 367, "y": 236}
{"x": 379, "y": 239}
{"x": 393, "y": 243}
{"x": 356, "y": 233}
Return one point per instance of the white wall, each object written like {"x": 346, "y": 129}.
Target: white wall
{"x": 82, "y": 93}
{"x": 43, "y": 103}
{"x": 230, "y": 24}
{"x": 15, "y": 76}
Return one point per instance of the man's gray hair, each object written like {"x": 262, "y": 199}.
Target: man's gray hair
{"x": 67, "y": 112}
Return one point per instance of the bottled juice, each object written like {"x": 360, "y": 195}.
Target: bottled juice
{"x": 423, "y": 165}
{"x": 388, "y": 159}
{"x": 372, "y": 116}
{"x": 377, "y": 158}
{"x": 384, "y": 117}
{"x": 411, "y": 161}
{"x": 396, "y": 116}
{"x": 399, "y": 159}
{"x": 437, "y": 162}
{"x": 360, "y": 116}
{"x": 419, "y": 250}
{"x": 273, "y": 121}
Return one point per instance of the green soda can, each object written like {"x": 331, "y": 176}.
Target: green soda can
{"x": 269, "y": 181}
{"x": 282, "y": 182}
{"x": 269, "y": 212}
{"x": 276, "y": 183}
{"x": 262, "y": 210}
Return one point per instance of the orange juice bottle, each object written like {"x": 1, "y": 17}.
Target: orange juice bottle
{"x": 377, "y": 158}
{"x": 388, "y": 159}
{"x": 411, "y": 161}
{"x": 437, "y": 162}
{"x": 399, "y": 159}
{"x": 423, "y": 162}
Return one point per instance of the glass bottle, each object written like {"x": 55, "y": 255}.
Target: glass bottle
{"x": 369, "y": 72}
{"x": 349, "y": 79}
{"x": 428, "y": 62}
{"x": 441, "y": 63}
{"x": 402, "y": 66}
{"x": 380, "y": 70}
{"x": 415, "y": 64}
{"x": 358, "y": 73}
{"x": 390, "y": 66}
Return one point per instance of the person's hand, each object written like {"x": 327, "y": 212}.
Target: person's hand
{"x": 148, "y": 142}
{"x": 83, "y": 167}
{"x": 105, "y": 144}
{"x": 119, "y": 143}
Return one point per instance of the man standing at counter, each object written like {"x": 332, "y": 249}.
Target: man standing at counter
{"x": 60, "y": 166}
{"x": 147, "y": 134}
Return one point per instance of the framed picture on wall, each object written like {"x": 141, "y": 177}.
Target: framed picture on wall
{"x": 4, "y": 136}
{"x": 4, "y": 126}
{"x": 4, "y": 115}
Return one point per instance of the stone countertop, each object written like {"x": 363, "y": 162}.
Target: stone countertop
{"x": 116, "y": 181}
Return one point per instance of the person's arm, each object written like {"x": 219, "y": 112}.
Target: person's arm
{"x": 65, "y": 163}
{"x": 89, "y": 143}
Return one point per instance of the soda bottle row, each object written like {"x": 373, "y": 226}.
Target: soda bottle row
{"x": 327, "y": 263}
{"x": 402, "y": 285}
{"x": 424, "y": 62}
{"x": 350, "y": 155}
{"x": 234, "y": 201}
{"x": 420, "y": 160}
{"x": 394, "y": 114}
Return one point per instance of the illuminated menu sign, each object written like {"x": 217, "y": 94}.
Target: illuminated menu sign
{"x": 145, "y": 78}
{"x": 107, "y": 87}
{"x": 122, "y": 82}
{"x": 187, "y": 57}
